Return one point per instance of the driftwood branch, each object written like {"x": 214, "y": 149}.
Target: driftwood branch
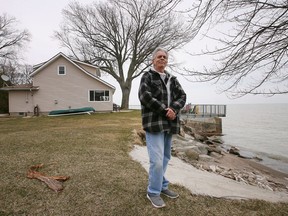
{"x": 53, "y": 182}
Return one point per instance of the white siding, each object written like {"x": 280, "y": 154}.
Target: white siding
{"x": 21, "y": 102}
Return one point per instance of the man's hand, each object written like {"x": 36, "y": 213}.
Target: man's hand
{"x": 170, "y": 114}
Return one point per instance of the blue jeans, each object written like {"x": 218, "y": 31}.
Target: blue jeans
{"x": 159, "y": 151}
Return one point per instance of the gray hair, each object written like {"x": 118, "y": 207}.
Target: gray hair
{"x": 157, "y": 50}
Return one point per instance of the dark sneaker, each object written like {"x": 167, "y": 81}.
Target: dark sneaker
{"x": 156, "y": 201}
{"x": 170, "y": 194}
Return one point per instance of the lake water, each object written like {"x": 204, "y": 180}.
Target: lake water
{"x": 259, "y": 128}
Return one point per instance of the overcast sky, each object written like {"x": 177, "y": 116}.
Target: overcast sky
{"x": 42, "y": 17}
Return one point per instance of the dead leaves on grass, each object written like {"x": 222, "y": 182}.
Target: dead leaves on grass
{"x": 53, "y": 182}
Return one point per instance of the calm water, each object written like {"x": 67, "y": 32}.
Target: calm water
{"x": 259, "y": 128}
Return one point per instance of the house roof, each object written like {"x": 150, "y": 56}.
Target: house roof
{"x": 40, "y": 66}
{"x": 24, "y": 87}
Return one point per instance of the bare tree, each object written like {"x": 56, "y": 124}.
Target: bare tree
{"x": 12, "y": 42}
{"x": 20, "y": 74}
{"x": 24, "y": 74}
{"x": 120, "y": 35}
{"x": 252, "y": 56}
{"x": 12, "y": 39}
{"x": 17, "y": 73}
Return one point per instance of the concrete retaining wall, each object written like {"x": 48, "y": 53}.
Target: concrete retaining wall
{"x": 206, "y": 126}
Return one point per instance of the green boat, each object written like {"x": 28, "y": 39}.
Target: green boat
{"x": 84, "y": 110}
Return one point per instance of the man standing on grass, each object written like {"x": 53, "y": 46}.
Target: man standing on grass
{"x": 161, "y": 97}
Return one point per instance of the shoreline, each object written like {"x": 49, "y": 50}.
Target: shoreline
{"x": 210, "y": 170}
{"x": 275, "y": 180}
{"x": 238, "y": 165}
{"x": 275, "y": 162}
{"x": 202, "y": 182}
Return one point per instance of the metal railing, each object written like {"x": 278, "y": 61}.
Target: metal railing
{"x": 204, "y": 110}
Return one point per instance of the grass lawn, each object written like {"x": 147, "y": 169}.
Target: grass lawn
{"x": 94, "y": 151}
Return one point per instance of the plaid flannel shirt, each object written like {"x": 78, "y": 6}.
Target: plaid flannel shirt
{"x": 153, "y": 97}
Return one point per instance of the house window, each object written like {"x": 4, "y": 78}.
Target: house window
{"x": 61, "y": 70}
{"x": 99, "y": 95}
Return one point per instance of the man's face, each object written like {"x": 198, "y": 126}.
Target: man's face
{"x": 160, "y": 61}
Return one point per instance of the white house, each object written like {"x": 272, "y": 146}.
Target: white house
{"x": 61, "y": 83}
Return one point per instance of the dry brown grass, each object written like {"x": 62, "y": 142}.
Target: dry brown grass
{"x": 104, "y": 180}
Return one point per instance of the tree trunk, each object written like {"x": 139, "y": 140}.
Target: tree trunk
{"x": 126, "y": 89}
